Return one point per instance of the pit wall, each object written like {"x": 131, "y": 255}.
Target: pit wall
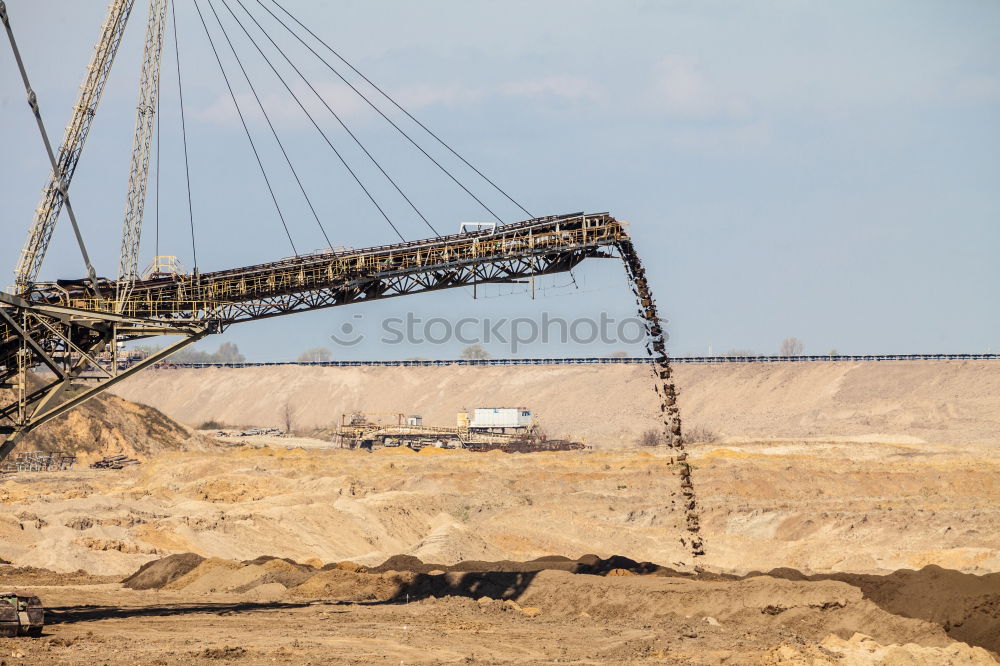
{"x": 610, "y": 406}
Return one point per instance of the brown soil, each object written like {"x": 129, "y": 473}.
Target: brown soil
{"x": 465, "y": 526}
{"x": 274, "y": 611}
{"x": 965, "y": 606}
{"x": 156, "y": 574}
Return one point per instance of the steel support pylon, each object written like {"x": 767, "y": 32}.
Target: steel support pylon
{"x": 54, "y": 194}
{"x": 145, "y": 119}
{"x": 77, "y": 354}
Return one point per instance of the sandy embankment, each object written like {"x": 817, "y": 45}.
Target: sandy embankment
{"x": 812, "y": 507}
{"x": 935, "y": 401}
{"x": 186, "y": 609}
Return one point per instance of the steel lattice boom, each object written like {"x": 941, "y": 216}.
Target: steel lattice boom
{"x": 54, "y": 194}
{"x": 74, "y": 335}
{"x": 149, "y": 90}
{"x": 309, "y": 282}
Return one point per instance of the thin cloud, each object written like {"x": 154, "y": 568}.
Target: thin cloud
{"x": 680, "y": 88}
{"x": 564, "y": 87}
{"x": 721, "y": 140}
{"x": 283, "y": 110}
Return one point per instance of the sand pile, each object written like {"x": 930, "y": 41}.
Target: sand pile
{"x": 937, "y": 401}
{"x": 156, "y": 574}
{"x": 397, "y": 577}
{"x": 825, "y": 610}
{"x": 107, "y": 426}
{"x": 344, "y": 585}
{"x": 211, "y": 575}
{"x": 863, "y": 650}
{"x": 966, "y": 605}
{"x": 267, "y": 574}
{"x": 267, "y": 577}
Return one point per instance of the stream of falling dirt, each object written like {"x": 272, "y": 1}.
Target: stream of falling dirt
{"x": 657, "y": 349}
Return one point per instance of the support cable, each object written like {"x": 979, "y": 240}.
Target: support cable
{"x": 315, "y": 124}
{"x": 420, "y": 148}
{"x": 392, "y": 101}
{"x": 246, "y": 128}
{"x": 157, "y": 243}
{"x": 270, "y": 124}
{"x": 57, "y": 173}
{"x": 339, "y": 119}
{"x": 187, "y": 167}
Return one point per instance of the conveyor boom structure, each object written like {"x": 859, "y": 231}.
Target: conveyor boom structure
{"x": 65, "y": 328}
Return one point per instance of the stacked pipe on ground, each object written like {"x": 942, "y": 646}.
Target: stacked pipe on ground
{"x": 657, "y": 349}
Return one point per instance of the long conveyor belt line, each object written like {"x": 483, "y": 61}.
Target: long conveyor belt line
{"x": 511, "y": 252}
{"x": 75, "y": 334}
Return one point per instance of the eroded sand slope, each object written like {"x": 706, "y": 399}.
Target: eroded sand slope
{"x": 606, "y": 406}
{"x": 812, "y": 507}
{"x": 108, "y": 425}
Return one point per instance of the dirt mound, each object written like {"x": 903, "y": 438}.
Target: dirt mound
{"x": 403, "y": 563}
{"x": 587, "y": 564}
{"x": 18, "y": 576}
{"x": 906, "y": 617}
{"x": 862, "y": 650}
{"x": 398, "y": 575}
{"x": 193, "y": 573}
{"x": 107, "y": 425}
{"x": 340, "y": 585}
{"x": 157, "y": 573}
{"x": 814, "y": 608}
{"x": 211, "y": 575}
{"x": 592, "y": 564}
{"x": 819, "y": 607}
{"x": 266, "y": 576}
{"x": 264, "y": 559}
{"x": 967, "y": 606}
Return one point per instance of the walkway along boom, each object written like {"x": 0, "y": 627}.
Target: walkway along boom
{"x": 65, "y": 327}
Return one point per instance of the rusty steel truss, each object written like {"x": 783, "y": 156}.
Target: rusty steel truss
{"x": 75, "y": 336}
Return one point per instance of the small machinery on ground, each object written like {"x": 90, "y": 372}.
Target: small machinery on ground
{"x": 510, "y": 429}
{"x": 20, "y": 616}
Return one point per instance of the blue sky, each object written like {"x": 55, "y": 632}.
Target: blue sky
{"x": 829, "y": 171}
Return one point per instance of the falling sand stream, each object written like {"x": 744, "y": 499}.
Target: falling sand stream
{"x": 656, "y": 348}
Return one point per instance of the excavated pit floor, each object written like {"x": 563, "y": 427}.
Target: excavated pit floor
{"x": 826, "y": 512}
